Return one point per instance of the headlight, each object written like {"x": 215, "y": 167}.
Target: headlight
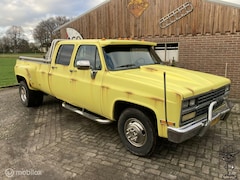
{"x": 188, "y": 109}
{"x": 227, "y": 89}
{"x": 192, "y": 102}
{"x": 185, "y": 104}
{"x": 189, "y": 103}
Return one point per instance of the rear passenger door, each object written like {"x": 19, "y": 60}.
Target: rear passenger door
{"x": 60, "y": 72}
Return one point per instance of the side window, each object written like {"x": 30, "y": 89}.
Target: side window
{"x": 64, "y": 54}
{"x": 90, "y": 53}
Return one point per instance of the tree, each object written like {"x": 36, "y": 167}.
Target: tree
{"x": 15, "y": 35}
{"x": 23, "y": 46}
{"x": 43, "y": 33}
{"x": 5, "y": 44}
{"x": 2, "y": 46}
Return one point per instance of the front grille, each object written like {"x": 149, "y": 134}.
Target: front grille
{"x": 208, "y": 97}
{"x": 203, "y": 101}
{"x": 204, "y": 109}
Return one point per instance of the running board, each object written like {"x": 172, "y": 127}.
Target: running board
{"x": 86, "y": 114}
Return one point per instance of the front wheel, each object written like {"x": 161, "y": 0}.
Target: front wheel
{"x": 28, "y": 97}
{"x": 137, "y": 132}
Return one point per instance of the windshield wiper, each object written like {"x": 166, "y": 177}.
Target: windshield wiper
{"x": 126, "y": 65}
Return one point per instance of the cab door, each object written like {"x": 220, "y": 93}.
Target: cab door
{"x": 86, "y": 83}
{"x": 59, "y": 76}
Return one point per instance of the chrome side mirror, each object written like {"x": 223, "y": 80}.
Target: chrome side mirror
{"x": 83, "y": 64}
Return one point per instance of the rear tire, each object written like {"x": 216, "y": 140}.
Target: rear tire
{"x": 137, "y": 132}
{"x": 28, "y": 97}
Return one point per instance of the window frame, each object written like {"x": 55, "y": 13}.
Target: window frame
{"x": 93, "y": 64}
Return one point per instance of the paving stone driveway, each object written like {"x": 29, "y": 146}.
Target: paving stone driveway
{"x": 50, "y": 142}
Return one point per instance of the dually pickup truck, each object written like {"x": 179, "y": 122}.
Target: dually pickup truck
{"x": 125, "y": 81}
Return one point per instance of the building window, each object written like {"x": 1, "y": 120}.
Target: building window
{"x": 168, "y": 52}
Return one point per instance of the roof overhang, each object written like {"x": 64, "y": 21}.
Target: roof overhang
{"x": 101, "y": 4}
{"x": 233, "y": 3}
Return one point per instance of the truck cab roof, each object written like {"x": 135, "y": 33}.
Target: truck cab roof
{"x": 106, "y": 42}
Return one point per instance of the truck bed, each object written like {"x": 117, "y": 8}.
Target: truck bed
{"x": 41, "y": 60}
{"x": 36, "y": 70}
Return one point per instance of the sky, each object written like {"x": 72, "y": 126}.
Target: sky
{"x": 28, "y": 13}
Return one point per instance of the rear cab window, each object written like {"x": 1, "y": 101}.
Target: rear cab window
{"x": 64, "y": 54}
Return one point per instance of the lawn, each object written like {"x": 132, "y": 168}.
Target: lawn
{"x": 7, "y": 62}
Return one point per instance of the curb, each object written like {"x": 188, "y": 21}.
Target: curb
{"x": 3, "y": 87}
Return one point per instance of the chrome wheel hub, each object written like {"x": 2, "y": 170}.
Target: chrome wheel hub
{"x": 23, "y": 94}
{"x": 135, "y": 132}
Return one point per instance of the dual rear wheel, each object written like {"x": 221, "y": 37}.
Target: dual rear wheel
{"x": 28, "y": 97}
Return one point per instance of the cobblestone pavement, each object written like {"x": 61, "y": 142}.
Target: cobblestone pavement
{"x": 50, "y": 142}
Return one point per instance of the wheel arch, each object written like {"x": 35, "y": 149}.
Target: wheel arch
{"x": 120, "y": 106}
{"x": 20, "y": 78}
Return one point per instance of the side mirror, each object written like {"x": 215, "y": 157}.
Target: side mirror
{"x": 83, "y": 64}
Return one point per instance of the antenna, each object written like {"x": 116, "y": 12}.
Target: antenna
{"x": 165, "y": 96}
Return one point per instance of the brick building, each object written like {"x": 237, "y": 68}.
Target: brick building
{"x": 195, "y": 34}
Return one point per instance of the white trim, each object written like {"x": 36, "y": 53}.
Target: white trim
{"x": 226, "y": 2}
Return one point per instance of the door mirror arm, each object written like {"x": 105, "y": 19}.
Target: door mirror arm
{"x": 85, "y": 65}
{"x": 93, "y": 73}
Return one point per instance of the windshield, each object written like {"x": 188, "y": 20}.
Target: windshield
{"x": 120, "y": 57}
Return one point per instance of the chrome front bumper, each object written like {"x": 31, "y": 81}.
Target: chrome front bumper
{"x": 178, "y": 135}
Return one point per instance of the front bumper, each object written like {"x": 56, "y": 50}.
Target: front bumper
{"x": 178, "y": 135}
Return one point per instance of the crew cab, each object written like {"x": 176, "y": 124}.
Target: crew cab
{"x": 125, "y": 81}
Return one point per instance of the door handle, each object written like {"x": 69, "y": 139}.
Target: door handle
{"x": 71, "y": 70}
{"x": 54, "y": 67}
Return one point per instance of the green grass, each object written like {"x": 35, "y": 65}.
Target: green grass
{"x": 7, "y": 63}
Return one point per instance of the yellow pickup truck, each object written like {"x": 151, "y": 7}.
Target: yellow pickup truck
{"x": 125, "y": 81}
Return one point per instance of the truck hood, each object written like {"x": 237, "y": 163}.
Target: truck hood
{"x": 178, "y": 80}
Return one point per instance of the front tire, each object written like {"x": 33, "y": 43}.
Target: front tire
{"x": 137, "y": 132}
{"x": 28, "y": 97}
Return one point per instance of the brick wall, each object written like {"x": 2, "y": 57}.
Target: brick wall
{"x": 218, "y": 54}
